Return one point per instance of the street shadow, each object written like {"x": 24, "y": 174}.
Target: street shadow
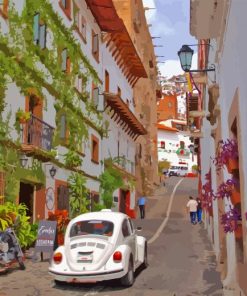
{"x": 111, "y": 285}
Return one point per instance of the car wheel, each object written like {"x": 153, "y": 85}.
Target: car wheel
{"x": 145, "y": 261}
{"x": 128, "y": 279}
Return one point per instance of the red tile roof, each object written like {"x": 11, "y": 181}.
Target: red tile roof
{"x": 166, "y": 128}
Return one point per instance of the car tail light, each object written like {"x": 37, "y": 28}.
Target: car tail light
{"x": 57, "y": 257}
{"x": 117, "y": 256}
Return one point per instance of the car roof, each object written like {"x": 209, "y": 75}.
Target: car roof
{"x": 114, "y": 217}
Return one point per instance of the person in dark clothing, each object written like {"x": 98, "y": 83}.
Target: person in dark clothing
{"x": 199, "y": 210}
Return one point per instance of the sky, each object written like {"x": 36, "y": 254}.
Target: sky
{"x": 170, "y": 21}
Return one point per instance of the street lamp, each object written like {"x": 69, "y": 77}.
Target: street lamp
{"x": 53, "y": 171}
{"x": 23, "y": 160}
{"x": 185, "y": 56}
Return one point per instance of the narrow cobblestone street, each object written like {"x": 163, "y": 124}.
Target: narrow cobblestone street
{"x": 181, "y": 260}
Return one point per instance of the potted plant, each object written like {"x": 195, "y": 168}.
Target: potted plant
{"x": 61, "y": 217}
{"x": 22, "y": 116}
{"x": 207, "y": 196}
{"x": 230, "y": 220}
{"x": 228, "y": 189}
{"x": 227, "y": 155}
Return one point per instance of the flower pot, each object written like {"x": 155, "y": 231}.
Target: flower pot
{"x": 235, "y": 197}
{"x": 232, "y": 164}
{"x": 239, "y": 231}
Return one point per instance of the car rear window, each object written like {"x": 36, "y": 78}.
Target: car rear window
{"x": 96, "y": 227}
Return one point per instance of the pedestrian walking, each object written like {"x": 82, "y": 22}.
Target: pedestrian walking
{"x": 199, "y": 210}
{"x": 141, "y": 203}
{"x": 192, "y": 208}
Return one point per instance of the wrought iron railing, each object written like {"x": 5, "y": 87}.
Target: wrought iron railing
{"x": 38, "y": 133}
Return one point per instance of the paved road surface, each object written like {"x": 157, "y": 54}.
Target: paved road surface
{"x": 181, "y": 261}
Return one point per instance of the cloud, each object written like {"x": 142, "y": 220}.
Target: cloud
{"x": 173, "y": 67}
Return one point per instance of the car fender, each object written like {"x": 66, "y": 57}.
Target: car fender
{"x": 63, "y": 264}
{"x": 141, "y": 242}
{"x": 126, "y": 253}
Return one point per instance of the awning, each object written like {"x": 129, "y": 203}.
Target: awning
{"x": 128, "y": 121}
{"x": 118, "y": 40}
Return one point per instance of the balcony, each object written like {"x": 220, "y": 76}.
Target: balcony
{"x": 36, "y": 134}
{"x": 123, "y": 164}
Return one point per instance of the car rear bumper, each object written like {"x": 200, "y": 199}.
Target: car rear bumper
{"x": 86, "y": 276}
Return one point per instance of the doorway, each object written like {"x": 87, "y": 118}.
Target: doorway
{"x": 26, "y": 196}
{"x": 122, "y": 201}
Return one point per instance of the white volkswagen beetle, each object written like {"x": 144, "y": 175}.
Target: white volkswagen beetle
{"x": 99, "y": 246}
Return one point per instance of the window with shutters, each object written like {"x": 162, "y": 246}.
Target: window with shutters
{"x": 4, "y": 4}
{"x": 80, "y": 25}
{"x": 39, "y": 31}
{"x": 62, "y": 198}
{"x": 2, "y": 186}
{"x": 163, "y": 145}
{"x": 66, "y": 7}
{"x": 95, "y": 94}
{"x": 63, "y": 129}
{"x": 65, "y": 61}
{"x": 95, "y": 46}
{"x": 94, "y": 149}
{"x": 94, "y": 199}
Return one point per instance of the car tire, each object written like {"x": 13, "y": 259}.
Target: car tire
{"x": 128, "y": 279}
{"x": 145, "y": 261}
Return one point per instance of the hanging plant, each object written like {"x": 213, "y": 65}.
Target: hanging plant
{"x": 230, "y": 220}
{"x": 225, "y": 189}
{"x": 72, "y": 159}
{"x": 22, "y": 116}
{"x": 228, "y": 151}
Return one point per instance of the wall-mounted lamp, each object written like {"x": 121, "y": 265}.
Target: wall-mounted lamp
{"x": 53, "y": 171}
{"x": 23, "y": 160}
{"x": 185, "y": 56}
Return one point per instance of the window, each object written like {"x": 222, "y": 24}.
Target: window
{"x": 39, "y": 31}
{"x": 95, "y": 149}
{"x": 80, "y": 23}
{"x": 131, "y": 226}
{"x": 66, "y": 7}
{"x": 163, "y": 145}
{"x": 95, "y": 94}
{"x": 65, "y": 65}
{"x": 125, "y": 228}
{"x": 95, "y": 45}
{"x": 182, "y": 144}
{"x": 78, "y": 83}
{"x": 62, "y": 198}
{"x": 83, "y": 29}
{"x": 63, "y": 127}
{"x": 107, "y": 81}
{"x": 96, "y": 227}
{"x": 4, "y": 4}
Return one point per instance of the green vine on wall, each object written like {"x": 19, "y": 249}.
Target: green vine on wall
{"x": 31, "y": 67}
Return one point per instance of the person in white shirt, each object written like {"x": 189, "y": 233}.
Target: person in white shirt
{"x": 192, "y": 208}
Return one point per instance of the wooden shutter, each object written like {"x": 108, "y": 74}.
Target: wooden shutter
{"x": 42, "y": 36}
{"x": 63, "y": 126}
{"x": 95, "y": 96}
{"x": 36, "y": 28}
{"x": 64, "y": 60}
{"x": 63, "y": 198}
{"x": 95, "y": 44}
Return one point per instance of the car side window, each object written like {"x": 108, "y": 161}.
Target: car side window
{"x": 125, "y": 228}
{"x": 131, "y": 226}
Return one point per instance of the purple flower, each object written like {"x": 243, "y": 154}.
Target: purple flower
{"x": 230, "y": 219}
